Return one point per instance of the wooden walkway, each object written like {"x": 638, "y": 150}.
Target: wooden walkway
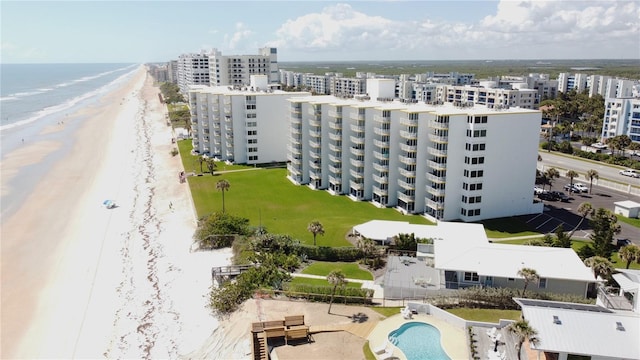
{"x": 220, "y": 273}
{"x": 358, "y": 329}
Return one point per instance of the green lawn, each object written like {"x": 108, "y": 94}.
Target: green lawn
{"x": 506, "y": 227}
{"x": 320, "y": 282}
{"x": 350, "y": 270}
{"x": 626, "y": 220}
{"x": 486, "y": 315}
{"x": 387, "y": 311}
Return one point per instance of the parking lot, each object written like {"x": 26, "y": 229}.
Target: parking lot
{"x": 565, "y": 213}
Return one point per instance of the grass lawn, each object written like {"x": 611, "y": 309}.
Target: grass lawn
{"x": 320, "y": 282}
{"x": 387, "y": 311}
{"x": 577, "y": 244}
{"x": 350, "y": 270}
{"x": 368, "y": 355}
{"x": 486, "y": 315}
{"x": 507, "y": 227}
{"x": 626, "y": 220}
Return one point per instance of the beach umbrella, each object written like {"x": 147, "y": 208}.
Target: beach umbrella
{"x": 109, "y": 204}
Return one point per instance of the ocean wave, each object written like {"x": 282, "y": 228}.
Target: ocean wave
{"x": 67, "y": 104}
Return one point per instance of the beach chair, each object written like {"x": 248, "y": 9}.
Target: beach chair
{"x": 388, "y": 354}
{"x": 381, "y": 348}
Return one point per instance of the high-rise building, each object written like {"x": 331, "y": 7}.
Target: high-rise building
{"x": 621, "y": 117}
{"x": 193, "y": 69}
{"x": 448, "y": 162}
{"x": 242, "y": 125}
{"x": 238, "y": 69}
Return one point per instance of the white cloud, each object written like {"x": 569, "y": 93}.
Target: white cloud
{"x": 11, "y": 51}
{"x": 236, "y": 40}
{"x": 518, "y": 29}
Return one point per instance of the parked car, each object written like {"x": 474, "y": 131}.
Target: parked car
{"x": 559, "y": 195}
{"x": 581, "y": 187}
{"x": 538, "y": 190}
{"x": 576, "y": 188}
{"x": 622, "y": 242}
{"x": 630, "y": 172}
{"x": 546, "y": 196}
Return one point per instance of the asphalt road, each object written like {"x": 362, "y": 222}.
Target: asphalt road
{"x": 557, "y": 213}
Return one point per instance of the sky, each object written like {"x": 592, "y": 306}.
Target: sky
{"x": 159, "y": 31}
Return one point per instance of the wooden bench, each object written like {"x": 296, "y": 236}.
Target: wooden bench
{"x": 299, "y": 332}
{"x": 274, "y": 332}
{"x": 293, "y": 320}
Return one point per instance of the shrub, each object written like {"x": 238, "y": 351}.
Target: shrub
{"x": 218, "y": 229}
{"x": 174, "y": 152}
{"x": 323, "y": 293}
{"x": 324, "y": 253}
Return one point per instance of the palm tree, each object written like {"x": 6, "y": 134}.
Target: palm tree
{"x": 528, "y": 275}
{"x": 601, "y": 266}
{"x": 585, "y": 209}
{"x": 335, "y": 278}
{"x": 211, "y": 165}
{"x": 571, "y": 174}
{"x": 201, "y": 159}
{"x": 552, "y": 173}
{"x": 630, "y": 253}
{"x": 315, "y": 227}
{"x": 368, "y": 248}
{"x": 522, "y": 331}
{"x": 223, "y": 185}
{"x": 591, "y": 174}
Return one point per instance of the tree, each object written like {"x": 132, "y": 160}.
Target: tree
{"x": 522, "y": 331}
{"x": 571, "y": 174}
{"x": 368, "y": 248}
{"x": 630, "y": 253}
{"x": 405, "y": 241}
{"x": 337, "y": 279}
{"x": 223, "y": 185}
{"x": 552, "y": 173}
{"x": 600, "y": 266}
{"x": 315, "y": 227}
{"x": 528, "y": 276}
{"x": 604, "y": 225}
{"x": 562, "y": 239}
{"x": 211, "y": 165}
{"x": 591, "y": 174}
{"x": 585, "y": 209}
{"x": 201, "y": 159}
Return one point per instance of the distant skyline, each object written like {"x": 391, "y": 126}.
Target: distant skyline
{"x": 158, "y": 31}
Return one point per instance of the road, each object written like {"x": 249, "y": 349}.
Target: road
{"x": 605, "y": 171}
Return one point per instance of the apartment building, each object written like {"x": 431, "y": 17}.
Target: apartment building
{"x": 318, "y": 84}
{"x": 489, "y": 95}
{"x": 568, "y": 82}
{"x": 172, "y": 71}
{"x": 246, "y": 125}
{"x": 193, "y": 69}
{"x": 343, "y": 86}
{"x": 621, "y": 117}
{"x": 445, "y": 161}
{"x": 238, "y": 69}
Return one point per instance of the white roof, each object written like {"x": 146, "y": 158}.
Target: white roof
{"x": 628, "y": 204}
{"x": 503, "y": 260}
{"x": 629, "y": 280}
{"x": 382, "y": 230}
{"x": 572, "y": 335}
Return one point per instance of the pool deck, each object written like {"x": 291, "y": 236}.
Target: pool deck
{"x": 453, "y": 340}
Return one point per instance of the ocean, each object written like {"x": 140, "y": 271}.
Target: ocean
{"x": 31, "y": 92}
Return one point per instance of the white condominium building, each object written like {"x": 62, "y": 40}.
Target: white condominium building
{"x": 621, "y": 117}
{"x": 448, "y": 162}
{"x": 568, "y": 82}
{"x": 242, "y": 126}
{"x": 193, "y": 69}
{"x": 237, "y": 69}
{"x": 488, "y": 95}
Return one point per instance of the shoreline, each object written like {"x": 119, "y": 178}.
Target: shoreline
{"x": 83, "y": 281}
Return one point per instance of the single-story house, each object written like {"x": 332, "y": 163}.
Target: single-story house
{"x": 462, "y": 256}
{"x": 627, "y": 208}
{"x": 592, "y": 331}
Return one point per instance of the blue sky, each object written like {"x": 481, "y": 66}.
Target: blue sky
{"x": 157, "y": 31}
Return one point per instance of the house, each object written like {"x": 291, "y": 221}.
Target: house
{"x": 627, "y": 208}
{"x": 571, "y": 330}
{"x": 461, "y": 256}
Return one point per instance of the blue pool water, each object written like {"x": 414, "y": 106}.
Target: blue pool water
{"x": 418, "y": 341}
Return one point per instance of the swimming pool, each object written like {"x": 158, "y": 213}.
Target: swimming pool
{"x": 418, "y": 341}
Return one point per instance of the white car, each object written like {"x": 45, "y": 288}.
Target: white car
{"x": 630, "y": 172}
{"x": 538, "y": 190}
{"x": 580, "y": 187}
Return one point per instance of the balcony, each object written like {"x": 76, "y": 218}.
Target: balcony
{"x": 357, "y": 128}
{"x": 293, "y": 159}
{"x": 407, "y": 160}
{"x": 315, "y": 164}
{"x": 315, "y": 134}
{"x": 296, "y": 120}
{"x": 408, "y": 148}
{"x": 334, "y": 147}
{"x": 337, "y": 125}
{"x": 438, "y": 125}
{"x": 294, "y": 170}
{"x": 356, "y": 116}
{"x": 296, "y": 150}
{"x": 379, "y": 191}
{"x": 381, "y": 144}
{"x": 381, "y": 179}
{"x": 335, "y": 180}
{"x": 434, "y": 191}
{"x": 381, "y": 131}
{"x": 335, "y": 170}
{"x": 436, "y": 152}
{"x": 357, "y": 140}
{"x": 314, "y": 154}
{"x": 315, "y": 174}
{"x": 436, "y": 166}
{"x": 335, "y": 137}
{"x": 356, "y": 185}
{"x": 439, "y": 139}
{"x": 356, "y": 151}
{"x": 407, "y": 173}
{"x": 314, "y": 144}
{"x": 380, "y": 167}
{"x": 405, "y": 185}
{"x": 436, "y": 179}
{"x": 335, "y": 114}
{"x": 435, "y": 205}
{"x": 404, "y": 120}
{"x": 406, "y": 198}
{"x": 356, "y": 174}
{"x": 382, "y": 119}
{"x": 381, "y": 155}
{"x": 357, "y": 163}
{"x": 296, "y": 130}
{"x": 408, "y": 135}
{"x": 296, "y": 140}
{"x": 315, "y": 122}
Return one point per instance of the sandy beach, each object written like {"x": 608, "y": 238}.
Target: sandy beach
{"x": 83, "y": 281}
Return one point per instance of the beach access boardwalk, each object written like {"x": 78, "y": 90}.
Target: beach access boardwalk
{"x": 223, "y": 273}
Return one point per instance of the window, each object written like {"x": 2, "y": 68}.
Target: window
{"x": 480, "y": 120}
{"x": 471, "y": 277}
{"x": 251, "y": 116}
{"x": 542, "y": 283}
{"x": 511, "y": 279}
{"x": 474, "y": 173}
{"x": 252, "y": 133}
{"x": 251, "y": 107}
{"x": 252, "y": 124}
{"x": 252, "y": 149}
{"x": 252, "y": 141}
{"x": 253, "y": 158}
